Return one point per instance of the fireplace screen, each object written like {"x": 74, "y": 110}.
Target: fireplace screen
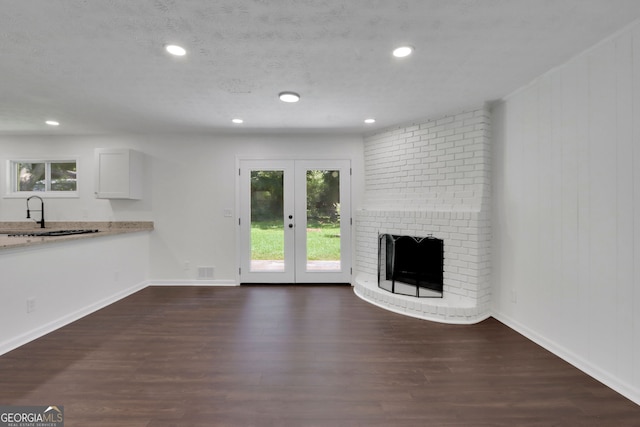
{"x": 409, "y": 265}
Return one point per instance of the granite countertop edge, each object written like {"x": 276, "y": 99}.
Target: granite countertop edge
{"x": 106, "y": 228}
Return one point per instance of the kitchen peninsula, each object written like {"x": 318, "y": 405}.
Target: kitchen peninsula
{"x": 49, "y": 281}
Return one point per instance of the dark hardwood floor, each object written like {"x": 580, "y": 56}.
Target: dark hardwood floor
{"x": 296, "y": 356}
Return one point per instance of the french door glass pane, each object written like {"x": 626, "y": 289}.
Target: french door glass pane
{"x": 323, "y": 220}
{"x": 267, "y": 220}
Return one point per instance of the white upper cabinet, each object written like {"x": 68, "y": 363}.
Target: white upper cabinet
{"x": 118, "y": 173}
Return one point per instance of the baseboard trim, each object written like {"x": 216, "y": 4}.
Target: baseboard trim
{"x": 568, "y": 356}
{"x": 20, "y": 340}
{"x": 192, "y": 283}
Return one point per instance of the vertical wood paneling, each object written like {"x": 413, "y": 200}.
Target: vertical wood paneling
{"x": 561, "y": 291}
{"x": 572, "y": 85}
{"x": 578, "y": 129}
{"x": 545, "y": 236}
{"x": 635, "y": 296}
{"x": 527, "y": 237}
{"x": 581, "y": 109}
{"x": 624, "y": 199}
{"x": 602, "y": 206}
{"x": 499, "y": 164}
{"x": 511, "y": 217}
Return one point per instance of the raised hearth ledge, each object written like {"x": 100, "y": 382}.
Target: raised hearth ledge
{"x": 435, "y": 309}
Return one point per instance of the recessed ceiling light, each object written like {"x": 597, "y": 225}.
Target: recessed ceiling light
{"x": 289, "y": 97}
{"x": 402, "y": 51}
{"x": 52, "y": 123}
{"x": 176, "y": 50}
{"x": 369, "y": 121}
{"x": 237, "y": 121}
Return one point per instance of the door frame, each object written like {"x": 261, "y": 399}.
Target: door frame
{"x": 300, "y": 274}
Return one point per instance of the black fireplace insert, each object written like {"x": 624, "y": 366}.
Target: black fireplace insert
{"x": 410, "y": 265}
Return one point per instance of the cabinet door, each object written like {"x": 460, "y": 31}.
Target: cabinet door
{"x": 117, "y": 174}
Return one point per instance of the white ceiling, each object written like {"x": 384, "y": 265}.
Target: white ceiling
{"x": 98, "y": 66}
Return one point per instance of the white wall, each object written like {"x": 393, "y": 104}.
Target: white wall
{"x": 566, "y": 215}
{"x": 189, "y": 181}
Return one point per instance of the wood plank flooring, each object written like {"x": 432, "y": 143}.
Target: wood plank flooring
{"x": 296, "y": 356}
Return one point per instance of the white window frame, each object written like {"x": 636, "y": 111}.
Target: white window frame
{"x": 12, "y": 185}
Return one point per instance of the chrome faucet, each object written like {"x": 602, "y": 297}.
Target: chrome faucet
{"x": 41, "y": 222}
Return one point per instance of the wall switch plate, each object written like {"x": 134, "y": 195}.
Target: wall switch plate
{"x": 228, "y": 213}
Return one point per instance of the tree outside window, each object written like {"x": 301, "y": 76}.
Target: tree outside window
{"x": 45, "y": 176}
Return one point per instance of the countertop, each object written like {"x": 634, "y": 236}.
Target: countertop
{"x": 106, "y": 228}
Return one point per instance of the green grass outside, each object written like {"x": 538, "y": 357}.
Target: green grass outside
{"x": 323, "y": 241}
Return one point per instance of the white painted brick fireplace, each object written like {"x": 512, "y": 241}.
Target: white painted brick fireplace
{"x": 431, "y": 178}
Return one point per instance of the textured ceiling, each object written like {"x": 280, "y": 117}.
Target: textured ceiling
{"x": 99, "y": 66}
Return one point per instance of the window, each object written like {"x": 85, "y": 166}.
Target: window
{"x": 55, "y": 177}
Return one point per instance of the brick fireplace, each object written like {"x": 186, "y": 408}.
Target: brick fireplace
{"x": 431, "y": 179}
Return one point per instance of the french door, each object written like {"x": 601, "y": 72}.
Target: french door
{"x": 295, "y": 221}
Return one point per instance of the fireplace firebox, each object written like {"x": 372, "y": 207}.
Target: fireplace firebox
{"x": 410, "y": 265}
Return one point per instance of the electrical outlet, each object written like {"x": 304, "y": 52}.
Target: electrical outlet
{"x": 31, "y": 305}
{"x": 514, "y": 296}
{"x": 186, "y": 265}
{"x": 116, "y": 276}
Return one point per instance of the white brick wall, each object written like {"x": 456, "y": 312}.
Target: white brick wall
{"x": 440, "y": 164}
{"x": 433, "y": 178}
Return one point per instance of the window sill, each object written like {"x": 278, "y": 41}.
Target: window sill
{"x": 43, "y": 194}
